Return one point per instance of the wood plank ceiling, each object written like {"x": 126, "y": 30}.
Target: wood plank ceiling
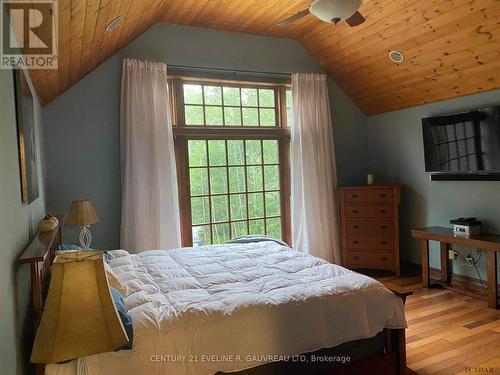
{"x": 452, "y": 47}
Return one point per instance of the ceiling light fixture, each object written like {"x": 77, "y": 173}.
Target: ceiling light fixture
{"x": 331, "y": 11}
{"x": 396, "y": 56}
{"x": 115, "y": 22}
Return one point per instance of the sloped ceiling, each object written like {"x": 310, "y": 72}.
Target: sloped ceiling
{"x": 452, "y": 47}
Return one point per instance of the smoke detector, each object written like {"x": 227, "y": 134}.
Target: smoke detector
{"x": 396, "y": 56}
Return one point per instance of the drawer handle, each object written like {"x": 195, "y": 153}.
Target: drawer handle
{"x": 355, "y": 226}
{"x": 354, "y": 211}
{"x": 383, "y": 227}
{"x": 355, "y": 242}
{"x": 383, "y": 211}
{"x": 383, "y": 195}
{"x": 354, "y": 195}
{"x": 384, "y": 258}
{"x": 355, "y": 257}
{"x": 383, "y": 242}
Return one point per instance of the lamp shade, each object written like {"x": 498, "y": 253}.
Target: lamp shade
{"x": 81, "y": 214}
{"x": 79, "y": 318}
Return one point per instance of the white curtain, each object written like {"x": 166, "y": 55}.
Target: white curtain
{"x": 150, "y": 207}
{"x": 314, "y": 212}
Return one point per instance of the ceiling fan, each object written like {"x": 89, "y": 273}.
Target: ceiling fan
{"x": 331, "y": 11}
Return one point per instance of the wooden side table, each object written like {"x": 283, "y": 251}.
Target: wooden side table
{"x": 490, "y": 243}
{"x": 39, "y": 255}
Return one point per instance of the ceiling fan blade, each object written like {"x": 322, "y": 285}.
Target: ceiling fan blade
{"x": 294, "y": 18}
{"x": 355, "y": 20}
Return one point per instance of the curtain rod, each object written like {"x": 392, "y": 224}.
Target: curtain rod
{"x": 228, "y": 71}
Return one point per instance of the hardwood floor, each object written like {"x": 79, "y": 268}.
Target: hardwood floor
{"x": 448, "y": 333}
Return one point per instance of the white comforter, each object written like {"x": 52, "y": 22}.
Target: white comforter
{"x": 230, "y": 307}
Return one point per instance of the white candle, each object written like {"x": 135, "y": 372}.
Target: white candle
{"x": 369, "y": 179}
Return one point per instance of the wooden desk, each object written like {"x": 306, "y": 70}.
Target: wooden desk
{"x": 490, "y": 243}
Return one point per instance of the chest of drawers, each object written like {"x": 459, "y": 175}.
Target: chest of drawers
{"x": 370, "y": 227}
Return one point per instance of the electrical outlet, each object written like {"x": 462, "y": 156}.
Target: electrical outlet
{"x": 452, "y": 255}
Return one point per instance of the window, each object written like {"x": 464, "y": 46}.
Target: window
{"x": 232, "y": 142}
{"x": 219, "y": 105}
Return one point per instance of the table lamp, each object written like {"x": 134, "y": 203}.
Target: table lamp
{"x": 82, "y": 214}
{"x": 79, "y": 318}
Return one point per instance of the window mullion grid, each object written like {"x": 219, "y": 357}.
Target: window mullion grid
{"x": 238, "y": 192}
{"x": 222, "y": 108}
{"x": 278, "y": 107}
{"x": 241, "y": 108}
{"x": 246, "y": 185}
{"x": 242, "y": 220}
{"x": 203, "y": 107}
{"x": 242, "y": 165}
{"x": 258, "y": 107}
{"x": 210, "y": 220}
{"x": 227, "y": 163}
{"x": 228, "y": 196}
{"x": 263, "y": 186}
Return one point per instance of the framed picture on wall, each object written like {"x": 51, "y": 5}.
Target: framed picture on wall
{"x": 26, "y": 137}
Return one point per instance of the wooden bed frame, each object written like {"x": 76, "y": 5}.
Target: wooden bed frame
{"x": 40, "y": 253}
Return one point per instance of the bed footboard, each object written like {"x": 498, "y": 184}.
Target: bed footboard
{"x": 389, "y": 360}
{"x": 398, "y": 336}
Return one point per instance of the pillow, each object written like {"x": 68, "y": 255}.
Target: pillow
{"x": 125, "y": 318}
{"x": 114, "y": 254}
{"x": 255, "y": 238}
{"x": 106, "y": 256}
{"x": 113, "y": 280}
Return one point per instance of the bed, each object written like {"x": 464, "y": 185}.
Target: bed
{"x": 252, "y": 308}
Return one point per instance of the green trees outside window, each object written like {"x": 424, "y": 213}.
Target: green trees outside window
{"x": 235, "y": 189}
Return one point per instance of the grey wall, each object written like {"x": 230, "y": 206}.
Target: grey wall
{"x": 18, "y": 223}
{"x": 82, "y": 125}
{"x": 396, "y": 155}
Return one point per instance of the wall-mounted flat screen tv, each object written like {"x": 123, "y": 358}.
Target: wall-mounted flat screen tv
{"x": 463, "y": 143}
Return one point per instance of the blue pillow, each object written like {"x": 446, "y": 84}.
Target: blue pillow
{"x": 106, "y": 256}
{"x": 125, "y": 318}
